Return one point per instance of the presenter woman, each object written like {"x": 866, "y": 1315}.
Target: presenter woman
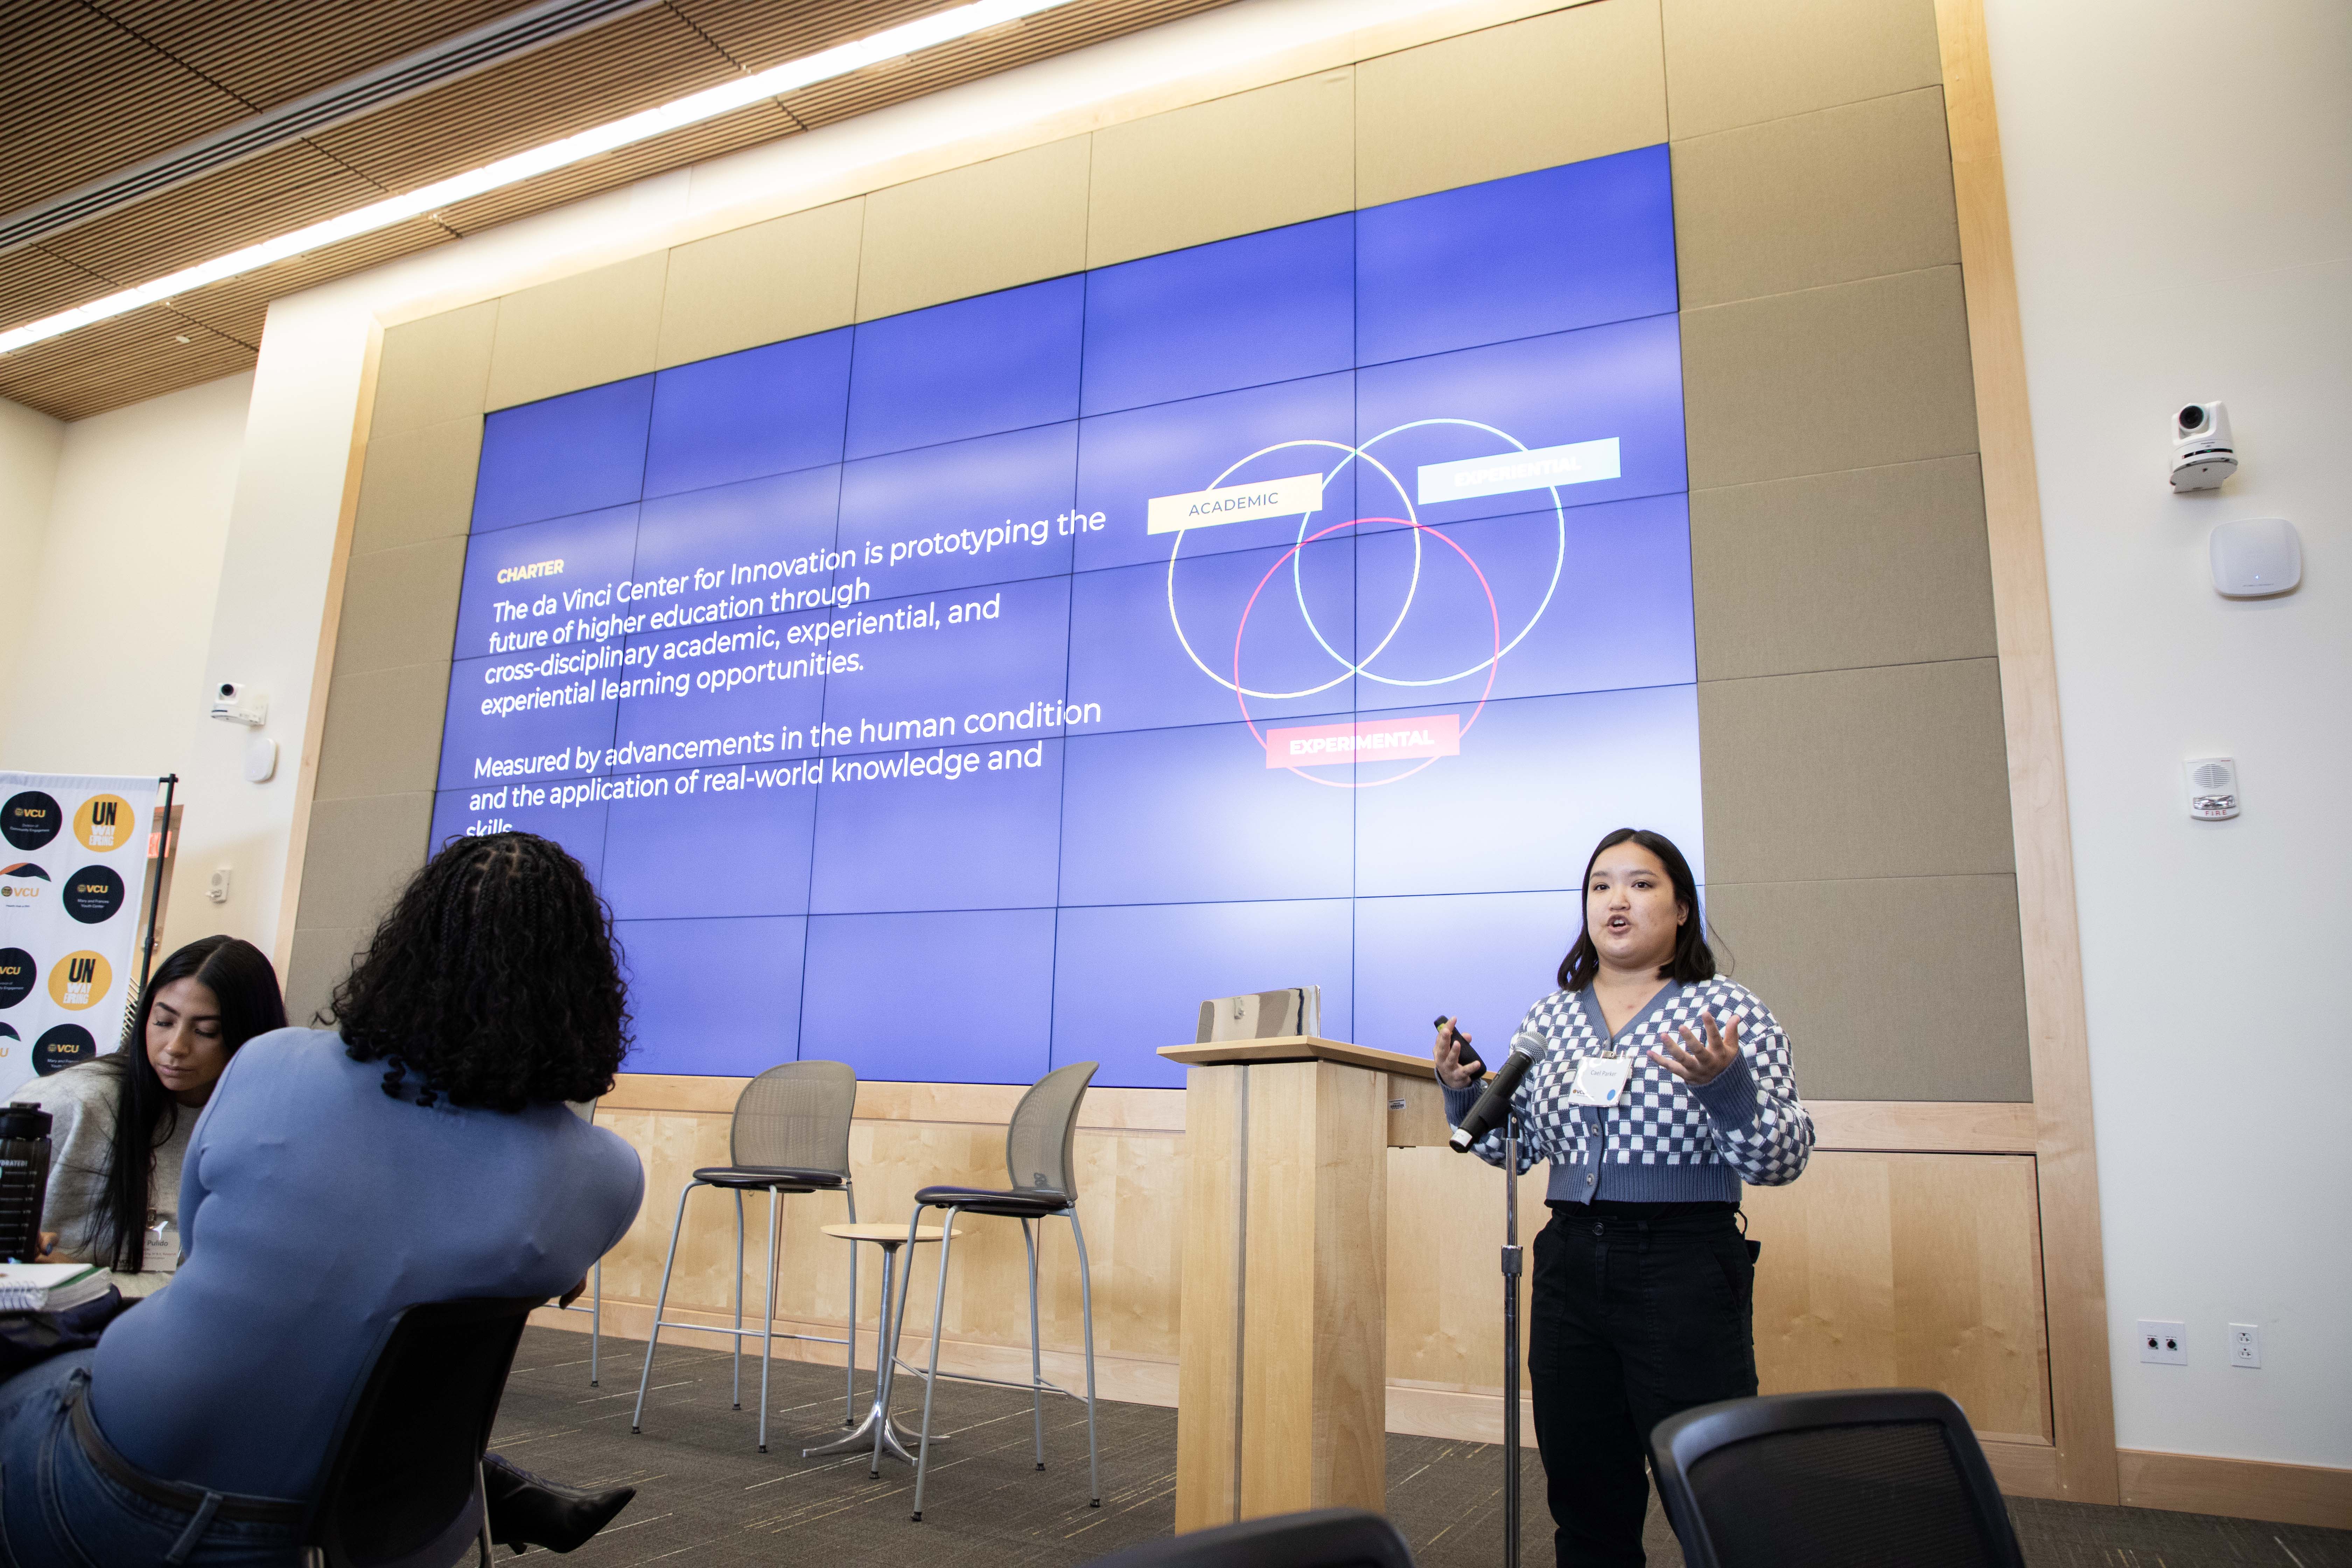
{"x": 119, "y": 1125}
{"x": 1665, "y": 1088}
{"x": 421, "y": 1151}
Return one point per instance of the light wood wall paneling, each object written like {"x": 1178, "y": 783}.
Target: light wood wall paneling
{"x": 2082, "y": 1395}
{"x": 2195, "y": 1483}
{"x": 1907, "y": 1271}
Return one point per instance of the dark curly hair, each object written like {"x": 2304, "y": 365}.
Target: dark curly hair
{"x": 492, "y": 982}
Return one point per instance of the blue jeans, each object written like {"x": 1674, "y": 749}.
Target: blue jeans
{"x": 57, "y": 1511}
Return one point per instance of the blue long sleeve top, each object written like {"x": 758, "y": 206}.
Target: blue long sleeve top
{"x": 313, "y": 1207}
{"x": 1664, "y": 1140}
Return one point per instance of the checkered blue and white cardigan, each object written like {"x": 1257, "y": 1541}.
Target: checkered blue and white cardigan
{"x": 1665, "y": 1141}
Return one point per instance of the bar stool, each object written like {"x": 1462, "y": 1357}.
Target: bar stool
{"x": 879, "y": 1427}
{"x": 790, "y": 1133}
{"x": 586, "y": 1111}
{"x": 1037, "y": 1159}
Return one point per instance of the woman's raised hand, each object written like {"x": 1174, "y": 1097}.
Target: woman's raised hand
{"x": 1448, "y": 1057}
{"x": 1698, "y": 1061}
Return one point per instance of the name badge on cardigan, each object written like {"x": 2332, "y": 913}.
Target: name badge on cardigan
{"x": 1599, "y": 1080}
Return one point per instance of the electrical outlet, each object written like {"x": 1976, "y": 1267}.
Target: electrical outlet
{"x": 2245, "y": 1344}
{"x": 2164, "y": 1343}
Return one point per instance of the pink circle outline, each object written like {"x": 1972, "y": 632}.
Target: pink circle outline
{"x": 1494, "y": 617}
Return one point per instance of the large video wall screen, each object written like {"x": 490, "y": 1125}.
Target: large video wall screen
{"x": 978, "y": 689}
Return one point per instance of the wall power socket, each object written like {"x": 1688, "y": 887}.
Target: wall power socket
{"x": 2245, "y": 1344}
{"x": 2163, "y": 1343}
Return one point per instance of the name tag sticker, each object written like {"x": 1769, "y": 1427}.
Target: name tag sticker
{"x": 1599, "y": 1080}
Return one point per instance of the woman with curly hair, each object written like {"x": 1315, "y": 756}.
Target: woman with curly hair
{"x": 119, "y": 1125}
{"x": 419, "y": 1150}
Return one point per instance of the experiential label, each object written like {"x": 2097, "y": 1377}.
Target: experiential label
{"x": 1537, "y": 469}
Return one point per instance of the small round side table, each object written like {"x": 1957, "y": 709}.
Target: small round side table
{"x": 878, "y": 1431}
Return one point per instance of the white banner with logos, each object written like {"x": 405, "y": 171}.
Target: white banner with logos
{"x": 73, "y": 873}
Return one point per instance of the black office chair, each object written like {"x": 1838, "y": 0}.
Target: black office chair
{"x": 1324, "y": 1538}
{"x": 404, "y": 1475}
{"x": 1849, "y": 1478}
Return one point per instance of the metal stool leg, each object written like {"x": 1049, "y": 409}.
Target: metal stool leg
{"x": 885, "y": 1347}
{"x": 932, "y": 1383}
{"x": 849, "y": 1381}
{"x": 1087, "y": 1314}
{"x": 768, "y": 1322}
{"x": 1036, "y": 1366}
{"x": 660, "y": 1301}
{"x": 595, "y": 1318}
{"x": 737, "y": 1395}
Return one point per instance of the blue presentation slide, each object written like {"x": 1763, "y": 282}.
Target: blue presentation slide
{"x": 978, "y": 689}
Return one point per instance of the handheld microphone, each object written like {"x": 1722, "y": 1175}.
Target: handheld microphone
{"x": 1470, "y": 1058}
{"x": 1526, "y": 1049}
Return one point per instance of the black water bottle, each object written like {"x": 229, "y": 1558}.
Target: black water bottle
{"x": 24, "y": 1181}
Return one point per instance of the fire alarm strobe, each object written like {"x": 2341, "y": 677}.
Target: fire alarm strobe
{"x": 2213, "y": 788}
{"x": 2203, "y": 451}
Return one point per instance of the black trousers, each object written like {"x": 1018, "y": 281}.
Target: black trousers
{"x": 1631, "y": 1320}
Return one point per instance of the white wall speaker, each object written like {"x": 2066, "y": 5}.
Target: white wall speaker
{"x": 2212, "y": 788}
{"x": 2257, "y": 557}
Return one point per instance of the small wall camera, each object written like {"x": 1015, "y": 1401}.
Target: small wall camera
{"x": 2203, "y": 451}
{"x": 237, "y": 703}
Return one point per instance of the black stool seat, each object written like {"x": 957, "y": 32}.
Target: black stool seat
{"x": 762, "y": 1177}
{"x": 987, "y": 1200}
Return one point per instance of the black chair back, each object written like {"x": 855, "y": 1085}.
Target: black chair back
{"x": 403, "y": 1481}
{"x": 1838, "y": 1479}
{"x": 1323, "y": 1538}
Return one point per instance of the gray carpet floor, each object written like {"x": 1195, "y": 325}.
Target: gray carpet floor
{"x": 705, "y": 1497}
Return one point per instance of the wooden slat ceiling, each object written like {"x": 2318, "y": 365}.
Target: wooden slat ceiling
{"x": 95, "y": 85}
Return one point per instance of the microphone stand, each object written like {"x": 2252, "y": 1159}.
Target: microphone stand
{"x": 1511, "y": 1340}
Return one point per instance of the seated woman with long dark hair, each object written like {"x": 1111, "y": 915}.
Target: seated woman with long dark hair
{"x": 119, "y": 1125}
{"x": 420, "y": 1152}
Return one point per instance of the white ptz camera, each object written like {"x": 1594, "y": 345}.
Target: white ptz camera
{"x": 2203, "y": 451}
{"x": 237, "y": 703}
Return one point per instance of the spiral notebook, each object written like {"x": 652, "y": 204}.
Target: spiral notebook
{"x": 48, "y": 1287}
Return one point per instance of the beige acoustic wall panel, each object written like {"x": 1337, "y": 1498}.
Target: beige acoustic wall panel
{"x": 433, "y": 370}
{"x": 419, "y": 484}
{"x": 1011, "y": 220}
{"x": 1853, "y": 375}
{"x": 1890, "y": 987}
{"x": 782, "y": 279}
{"x": 1833, "y": 196}
{"x": 383, "y": 733}
{"x": 1895, "y": 772}
{"x": 400, "y": 606}
{"x": 362, "y": 852}
{"x": 1254, "y": 161}
{"x": 320, "y": 957}
{"x": 1575, "y": 84}
{"x": 578, "y": 331}
{"x": 1737, "y": 62}
{"x": 1843, "y": 571}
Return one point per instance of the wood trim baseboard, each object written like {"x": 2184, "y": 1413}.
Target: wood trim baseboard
{"x": 983, "y": 1104}
{"x": 2315, "y": 1495}
{"x": 2058, "y": 1035}
{"x": 1923, "y": 1126}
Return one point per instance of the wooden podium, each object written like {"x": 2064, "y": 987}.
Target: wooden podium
{"x": 1282, "y": 1387}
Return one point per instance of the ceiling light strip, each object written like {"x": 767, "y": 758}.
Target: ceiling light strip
{"x": 926, "y": 32}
